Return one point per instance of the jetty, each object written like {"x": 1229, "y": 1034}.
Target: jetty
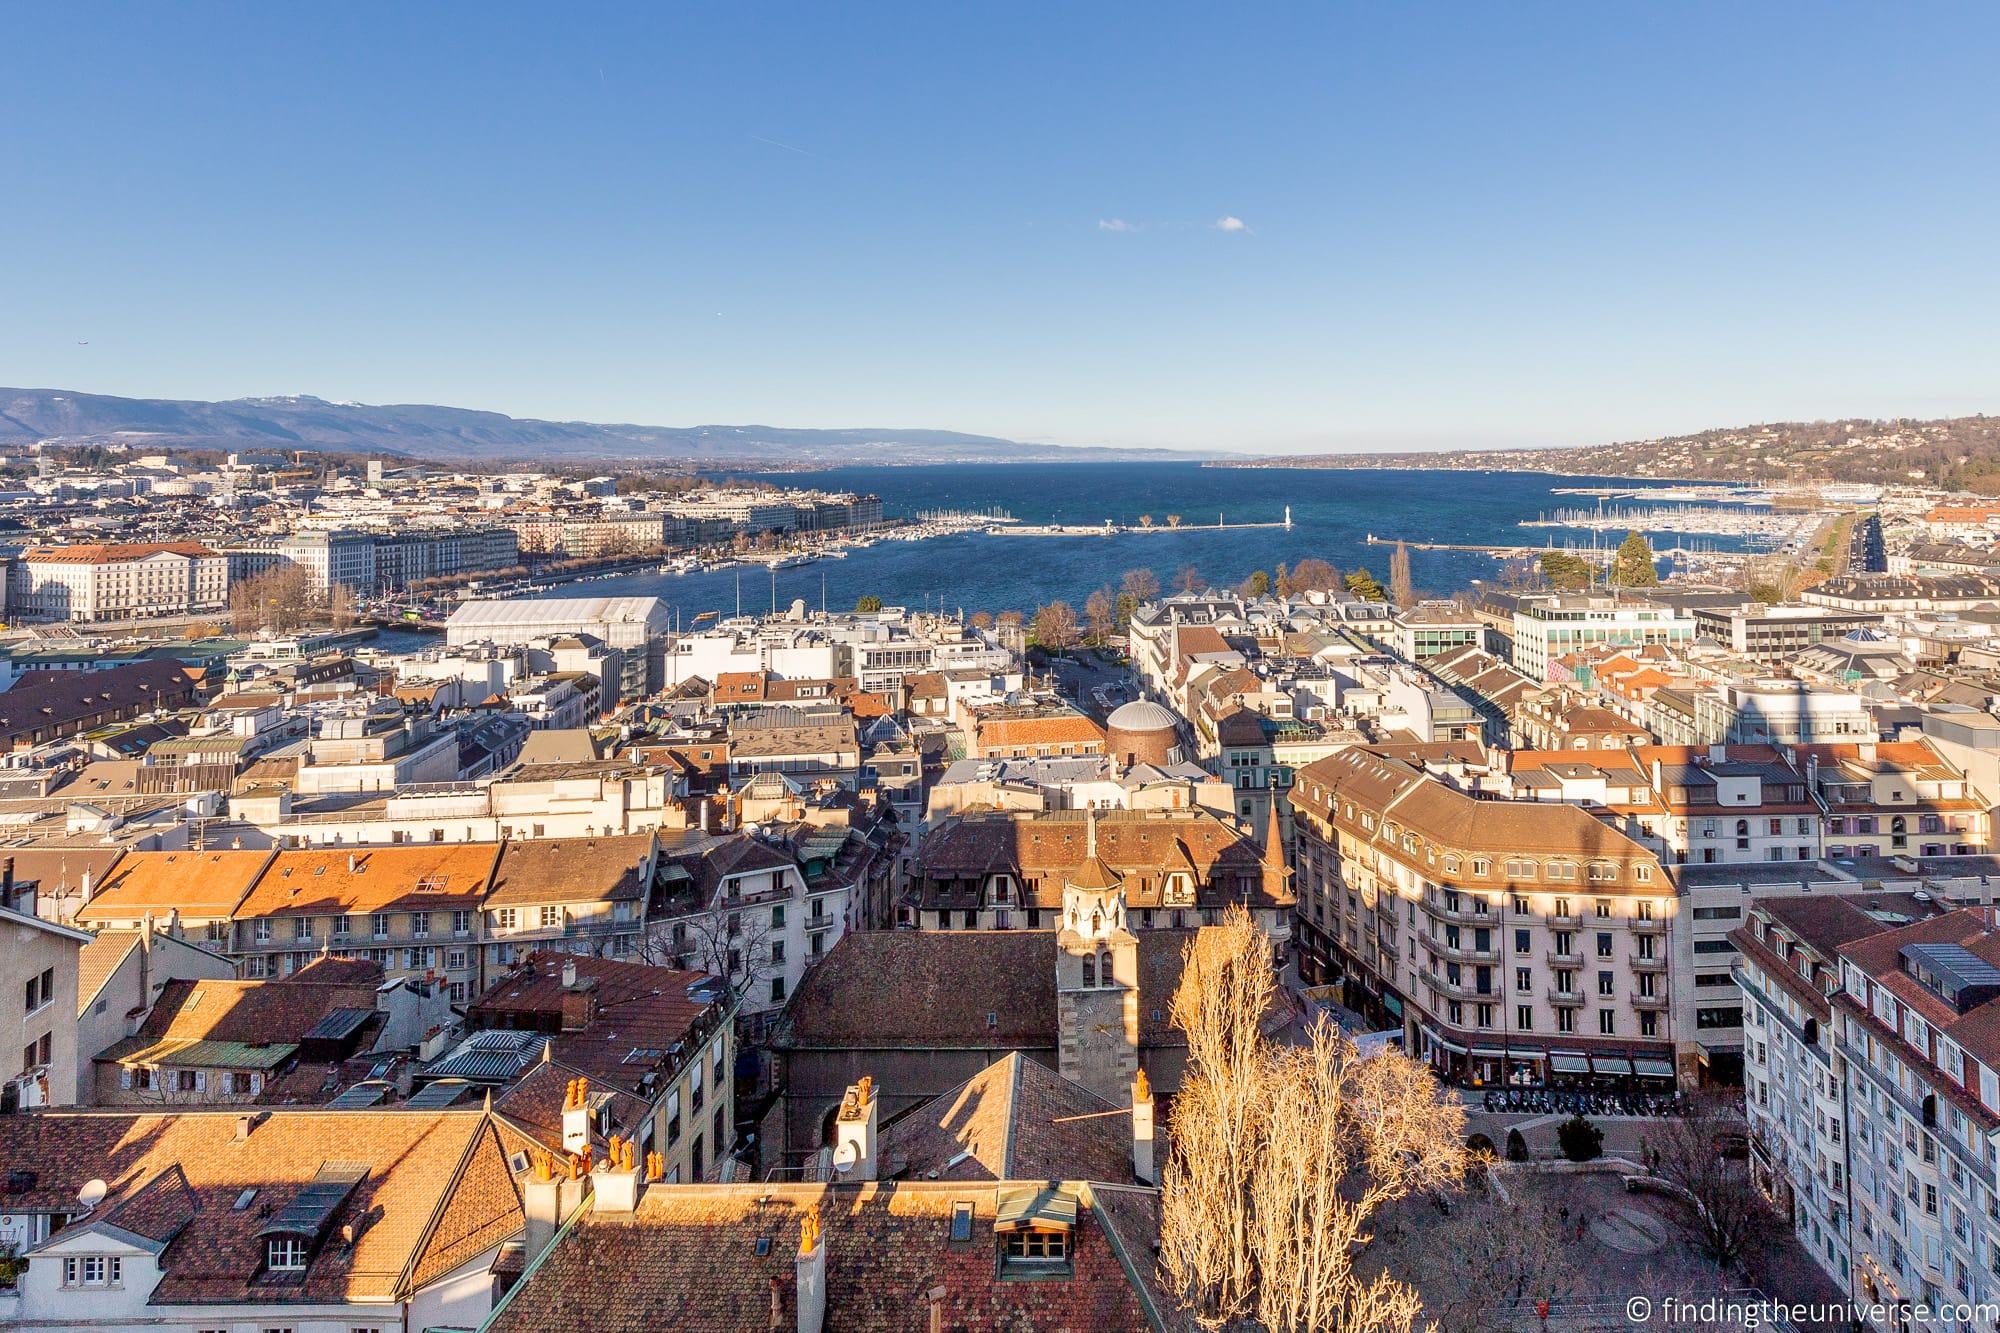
{"x": 1113, "y": 528}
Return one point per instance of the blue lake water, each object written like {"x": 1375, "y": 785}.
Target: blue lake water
{"x": 1332, "y": 514}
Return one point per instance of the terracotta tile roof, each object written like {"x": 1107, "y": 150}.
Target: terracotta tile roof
{"x": 1061, "y": 729}
{"x": 1016, "y": 1119}
{"x": 98, "y": 960}
{"x": 200, "y": 885}
{"x": 533, "y": 1105}
{"x": 406, "y": 877}
{"x": 251, "y": 1011}
{"x": 571, "y": 870}
{"x": 60, "y": 870}
{"x": 1976, "y": 1031}
{"x": 415, "y": 1162}
{"x": 694, "y": 1250}
{"x": 937, "y": 989}
{"x": 1046, "y": 849}
{"x": 109, "y": 553}
{"x": 626, "y": 1007}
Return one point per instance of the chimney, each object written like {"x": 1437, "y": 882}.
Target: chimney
{"x": 854, "y": 1131}
{"x": 244, "y": 1124}
{"x": 1142, "y": 1131}
{"x": 548, "y": 1196}
{"x": 811, "y": 1274}
{"x": 576, "y": 1116}
{"x": 569, "y": 974}
{"x": 615, "y": 1185}
{"x": 350, "y": 863}
{"x": 1718, "y": 753}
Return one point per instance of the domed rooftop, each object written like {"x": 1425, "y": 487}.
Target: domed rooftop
{"x": 1142, "y": 715}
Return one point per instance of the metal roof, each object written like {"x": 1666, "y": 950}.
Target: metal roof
{"x": 437, "y": 1096}
{"x": 314, "y": 1206}
{"x": 339, "y": 1025}
{"x": 194, "y": 1053}
{"x": 359, "y": 1097}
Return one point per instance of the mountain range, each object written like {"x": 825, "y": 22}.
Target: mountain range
{"x": 422, "y": 430}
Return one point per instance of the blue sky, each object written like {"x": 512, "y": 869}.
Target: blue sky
{"x": 1478, "y": 224}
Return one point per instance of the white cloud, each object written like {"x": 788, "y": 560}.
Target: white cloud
{"x": 1116, "y": 224}
{"x": 1231, "y": 224}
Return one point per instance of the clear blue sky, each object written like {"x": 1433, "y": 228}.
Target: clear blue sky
{"x": 1476, "y": 224}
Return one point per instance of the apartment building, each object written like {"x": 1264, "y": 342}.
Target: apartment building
{"x": 120, "y": 581}
{"x": 1895, "y": 798}
{"x": 1773, "y": 633}
{"x": 1509, "y": 941}
{"x": 38, "y": 984}
{"x": 1793, "y": 1078}
{"x": 580, "y": 895}
{"x": 1547, "y": 627}
{"x": 1176, "y": 869}
{"x": 1916, "y": 1019}
{"x": 413, "y": 910}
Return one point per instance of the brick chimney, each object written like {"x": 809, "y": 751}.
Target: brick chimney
{"x": 811, "y": 1267}
{"x": 1142, "y": 1131}
{"x": 854, "y": 1130}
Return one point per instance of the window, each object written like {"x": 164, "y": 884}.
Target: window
{"x": 1603, "y": 944}
{"x": 1524, "y": 1017}
{"x": 379, "y": 924}
{"x": 41, "y": 989}
{"x": 551, "y": 918}
{"x": 92, "y": 1270}
{"x": 1607, "y": 1022}
{"x": 1037, "y": 1245}
{"x": 777, "y": 990}
{"x": 461, "y": 923}
{"x": 506, "y": 918}
{"x": 285, "y": 1254}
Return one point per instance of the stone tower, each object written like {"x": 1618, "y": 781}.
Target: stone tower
{"x": 1097, "y": 979}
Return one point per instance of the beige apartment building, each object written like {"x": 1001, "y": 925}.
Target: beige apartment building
{"x": 1509, "y": 941}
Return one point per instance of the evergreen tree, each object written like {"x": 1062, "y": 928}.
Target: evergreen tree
{"x": 1632, "y": 566}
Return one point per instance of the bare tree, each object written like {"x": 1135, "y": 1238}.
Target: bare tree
{"x": 731, "y": 943}
{"x": 1402, "y": 588}
{"x": 1173, "y": 520}
{"x": 1140, "y": 585}
{"x": 1486, "y": 1254}
{"x": 1145, "y": 520}
{"x": 1283, "y": 1157}
{"x": 1055, "y": 626}
{"x": 1314, "y": 575}
{"x": 1188, "y": 580}
{"x": 982, "y": 620}
{"x": 1726, "y": 1214}
{"x": 340, "y": 609}
{"x": 1100, "y": 612}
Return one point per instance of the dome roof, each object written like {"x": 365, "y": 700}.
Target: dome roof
{"x": 1142, "y": 715}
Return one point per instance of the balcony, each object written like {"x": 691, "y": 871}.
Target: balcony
{"x": 1653, "y": 964}
{"x": 1463, "y": 955}
{"x": 1567, "y": 999}
{"x": 1569, "y": 921}
{"x": 1463, "y": 915}
{"x": 1564, "y": 959}
{"x": 1656, "y": 1002}
{"x": 1641, "y": 925}
{"x": 1462, "y": 990}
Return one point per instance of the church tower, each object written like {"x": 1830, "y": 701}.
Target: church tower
{"x": 1097, "y": 978}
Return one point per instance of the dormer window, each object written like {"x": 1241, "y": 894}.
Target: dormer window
{"x": 285, "y": 1254}
{"x": 1043, "y": 1246}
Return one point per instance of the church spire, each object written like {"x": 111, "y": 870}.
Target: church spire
{"x": 1276, "y": 873}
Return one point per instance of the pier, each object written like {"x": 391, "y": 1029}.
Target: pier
{"x": 1600, "y": 554}
{"x": 1112, "y": 528}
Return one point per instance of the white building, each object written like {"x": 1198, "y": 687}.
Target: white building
{"x": 118, "y": 582}
{"x": 1545, "y": 628}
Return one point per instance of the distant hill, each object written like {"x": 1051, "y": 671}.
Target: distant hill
{"x": 1962, "y": 453}
{"x": 454, "y": 433}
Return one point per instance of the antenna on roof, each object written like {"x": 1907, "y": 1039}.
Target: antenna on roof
{"x": 92, "y": 1193}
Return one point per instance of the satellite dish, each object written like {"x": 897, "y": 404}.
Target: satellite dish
{"x": 845, "y": 1157}
{"x": 92, "y": 1193}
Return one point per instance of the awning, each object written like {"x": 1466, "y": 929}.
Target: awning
{"x": 1653, "y": 1068}
{"x": 1489, "y": 1053}
{"x": 1435, "y": 1040}
{"x": 1565, "y": 1062}
{"x": 1611, "y": 1064}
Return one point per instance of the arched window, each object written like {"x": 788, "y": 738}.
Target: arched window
{"x": 1090, "y": 969}
{"x": 1104, "y": 968}
{"x": 1899, "y": 825}
{"x": 1742, "y": 828}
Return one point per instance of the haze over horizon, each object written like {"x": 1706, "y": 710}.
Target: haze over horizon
{"x": 1266, "y": 231}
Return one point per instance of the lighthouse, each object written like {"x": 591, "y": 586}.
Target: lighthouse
{"x": 1288, "y": 518}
